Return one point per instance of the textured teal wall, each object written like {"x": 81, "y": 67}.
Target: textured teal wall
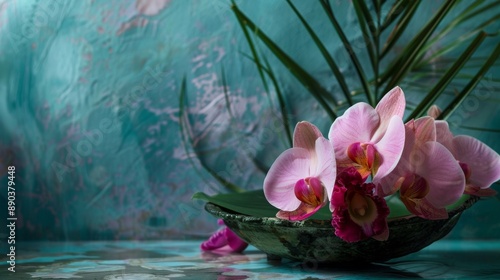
{"x": 89, "y": 111}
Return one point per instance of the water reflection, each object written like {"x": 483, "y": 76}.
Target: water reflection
{"x": 183, "y": 260}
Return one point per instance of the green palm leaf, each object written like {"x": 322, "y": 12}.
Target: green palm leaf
{"x": 433, "y": 53}
{"x": 316, "y": 90}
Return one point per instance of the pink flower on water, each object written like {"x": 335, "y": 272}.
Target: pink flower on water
{"x": 428, "y": 177}
{"x": 369, "y": 139}
{"x": 301, "y": 179}
{"x": 357, "y": 213}
{"x": 480, "y": 163}
{"x": 224, "y": 241}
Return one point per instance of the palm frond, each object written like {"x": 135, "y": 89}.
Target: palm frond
{"x": 401, "y": 25}
{"x": 433, "y": 52}
{"x": 183, "y": 123}
{"x": 436, "y": 91}
{"x": 326, "y": 55}
{"x": 315, "y": 88}
{"x": 350, "y": 51}
{"x": 455, "y": 103}
{"x": 407, "y": 58}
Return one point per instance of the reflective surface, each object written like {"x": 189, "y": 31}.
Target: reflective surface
{"x": 183, "y": 260}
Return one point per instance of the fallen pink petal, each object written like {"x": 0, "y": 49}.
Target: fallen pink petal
{"x": 224, "y": 241}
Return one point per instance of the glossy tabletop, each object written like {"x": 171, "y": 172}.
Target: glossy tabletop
{"x": 140, "y": 260}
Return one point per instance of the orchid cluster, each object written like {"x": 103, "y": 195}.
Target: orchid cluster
{"x": 371, "y": 154}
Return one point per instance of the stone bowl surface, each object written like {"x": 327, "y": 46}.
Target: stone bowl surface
{"x": 315, "y": 241}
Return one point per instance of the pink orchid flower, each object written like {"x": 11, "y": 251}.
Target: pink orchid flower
{"x": 480, "y": 163}
{"x": 301, "y": 179}
{"x": 434, "y": 112}
{"x": 224, "y": 241}
{"x": 428, "y": 177}
{"x": 358, "y": 214}
{"x": 369, "y": 139}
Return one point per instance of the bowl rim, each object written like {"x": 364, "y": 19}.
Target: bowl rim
{"x": 226, "y": 214}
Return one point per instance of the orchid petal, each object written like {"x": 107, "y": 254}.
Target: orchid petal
{"x": 357, "y": 213}
{"x": 305, "y": 135}
{"x": 235, "y": 242}
{"x": 483, "y": 161}
{"x": 380, "y": 226}
{"x": 363, "y": 157}
{"x": 443, "y": 174}
{"x": 425, "y": 209}
{"x": 391, "y": 147}
{"x": 310, "y": 191}
{"x": 326, "y": 169}
{"x": 337, "y": 199}
{"x": 345, "y": 228}
{"x": 363, "y": 210}
{"x": 425, "y": 130}
{"x": 392, "y": 104}
{"x": 384, "y": 235}
{"x": 434, "y": 112}
{"x": 214, "y": 242}
{"x": 291, "y": 166}
{"x": 304, "y": 211}
{"x": 224, "y": 240}
{"x": 444, "y": 135}
{"x": 473, "y": 190}
{"x": 357, "y": 124}
{"x": 387, "y": 185}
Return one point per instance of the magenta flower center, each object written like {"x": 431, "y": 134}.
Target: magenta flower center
{"x": 361, "y": 207}
{"x": 366, "y": 158}
{"x": 413, "y": 188}
{"x": 358, "y": 205}
{"x": 310, "y": 190}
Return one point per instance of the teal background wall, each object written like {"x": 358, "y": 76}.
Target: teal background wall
{"x": 89, "y": 111}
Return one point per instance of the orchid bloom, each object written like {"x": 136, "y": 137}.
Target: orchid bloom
{"x": 224, "y": 241}
{"x": 480, "y": 163}
{"x": 358, "y": 213}
{"x": 371, "y": 140}
{"x": 301, "y": 179}
{"x": 428, "y": 177}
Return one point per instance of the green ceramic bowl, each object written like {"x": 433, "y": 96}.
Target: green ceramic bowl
{"x": 315, "y": 241}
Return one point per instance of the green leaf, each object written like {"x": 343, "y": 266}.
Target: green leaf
{"x": 396, "y": 10}
{"x": 347, "y": 45}
{"x": 182, "y": 125}
{"x": 255, "y": 56}
{"x": 431, "y": 97}
{"x": 281, "y": 101}
{"x": 365, "y": 19}
{"x": 313, "y": 86}
{"x": 226, "y": 94}
{"x": 479, "y": 12}
{"x": 456, "y": 43}
{"x": 326, "y": 55}
{"x": 400, "y": 27}
{"x": 479, "y": 129}
{"x": 471, "y": 85}
{"x": 251, "y": 203}
{"x": 254, "y": 203}
{"x": 404, "y": 63}
{"x": 464, "y": 16}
